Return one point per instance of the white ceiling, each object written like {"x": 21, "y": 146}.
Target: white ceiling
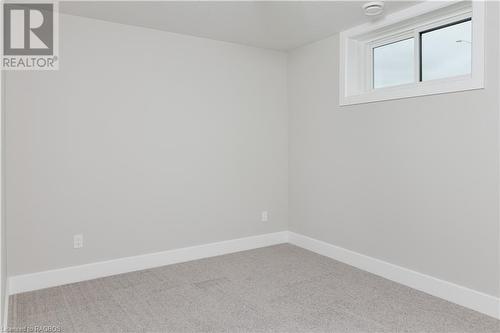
{"x": 273, "y": 25}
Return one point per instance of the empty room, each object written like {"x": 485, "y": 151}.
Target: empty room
{"x": 250, "y": 166}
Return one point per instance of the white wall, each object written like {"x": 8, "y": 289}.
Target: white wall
{"x": 3, "y": 244}
{"x": 143, "y": 141}
{"x": 413, "y": 182}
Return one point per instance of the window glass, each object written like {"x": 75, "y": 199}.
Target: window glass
{"x": 393, "y": 64}
{"x": 446, "y": 51}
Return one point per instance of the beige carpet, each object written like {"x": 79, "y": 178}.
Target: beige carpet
{"x": 275, "y": 289}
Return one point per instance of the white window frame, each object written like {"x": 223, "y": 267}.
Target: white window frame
{"x": 356, "y": 52}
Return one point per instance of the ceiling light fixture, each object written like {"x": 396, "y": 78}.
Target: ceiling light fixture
{"x": 373, "y": 8}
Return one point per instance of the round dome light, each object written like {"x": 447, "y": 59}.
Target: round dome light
{"x": 373, "y": 8}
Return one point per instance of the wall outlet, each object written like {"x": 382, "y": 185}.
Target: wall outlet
{"x": 264, "y": 217}
{"x": 78, "y": 241}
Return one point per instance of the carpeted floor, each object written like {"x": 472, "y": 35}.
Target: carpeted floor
{"x": 280, "y": 288}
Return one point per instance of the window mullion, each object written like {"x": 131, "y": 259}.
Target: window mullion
{"x": 417, "y": 55}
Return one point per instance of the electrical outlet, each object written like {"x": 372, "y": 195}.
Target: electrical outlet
{"x": 78, "y": 241}
{"x": 264, "y": 216}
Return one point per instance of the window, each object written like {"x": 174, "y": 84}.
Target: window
{"x": 446, "y": 51}
{"x": 393, "y": 64}
{"x": 430, "y": 48}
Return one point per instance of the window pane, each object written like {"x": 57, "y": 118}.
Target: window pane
{"x": 447, "y": 51}
{"x": 393, "y": 64}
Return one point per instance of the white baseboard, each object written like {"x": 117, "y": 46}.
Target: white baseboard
{"x": 466, "y": 297}
{"x": 57, "y": 277}
{"x": 454, "y": 293}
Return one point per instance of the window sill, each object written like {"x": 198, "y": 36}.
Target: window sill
{"x": 435, "y": 87}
